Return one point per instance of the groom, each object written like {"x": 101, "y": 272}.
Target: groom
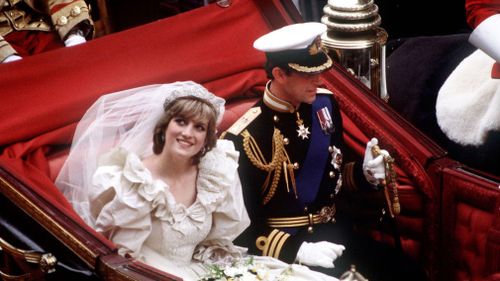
{"x": 292, "y": 167}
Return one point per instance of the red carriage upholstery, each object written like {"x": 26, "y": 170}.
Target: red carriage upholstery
{"x": 39, "y": 114}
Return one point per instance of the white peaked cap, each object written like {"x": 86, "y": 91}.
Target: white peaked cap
{"x": 290, "y": 37}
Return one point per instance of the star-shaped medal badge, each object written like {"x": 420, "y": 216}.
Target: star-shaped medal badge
{"x": 303, "y": 132}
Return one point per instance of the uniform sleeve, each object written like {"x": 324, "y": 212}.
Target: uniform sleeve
{"x": 353, "y": 178}
{"x": 5, "y": 49}
{"x": 479, "y": 10}
{"x": 484, "y": 17}
{"x": 68, "y": 14}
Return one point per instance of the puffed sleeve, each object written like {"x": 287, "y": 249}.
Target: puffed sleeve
{"x": 229, "y": 218}
{"x": 121, "y": 213}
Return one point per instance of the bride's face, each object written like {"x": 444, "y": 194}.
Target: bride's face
{"x": 185, "y": 137}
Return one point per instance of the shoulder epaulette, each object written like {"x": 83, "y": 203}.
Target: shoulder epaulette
{"x": 244, "y": 120}
{"x": 323, "y": 91}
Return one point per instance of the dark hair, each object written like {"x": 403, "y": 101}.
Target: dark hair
{"x": 270, "y": 65}
{"x": 188, "y": 107}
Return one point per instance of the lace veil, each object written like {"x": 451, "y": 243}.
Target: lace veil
{"x": 125, "y": 119}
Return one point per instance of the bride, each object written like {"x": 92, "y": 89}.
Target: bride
{"x": 147, "y": 171}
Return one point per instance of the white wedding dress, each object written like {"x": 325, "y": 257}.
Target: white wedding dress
{"x": 107, "y": 184}
{"x": 140, "y": 215}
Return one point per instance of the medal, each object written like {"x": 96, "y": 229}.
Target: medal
{"x": 303, "y": 131}
{"x": 325, "y": 121}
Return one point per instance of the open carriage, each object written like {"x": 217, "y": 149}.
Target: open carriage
{"x": 450, "y": 219}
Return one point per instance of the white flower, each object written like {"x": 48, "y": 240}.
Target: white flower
{"x": 235, "y": 271}
{"x": 247, "y": 276}
{"x": 243, "y": 270}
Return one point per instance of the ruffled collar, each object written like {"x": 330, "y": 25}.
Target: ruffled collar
{"x": 217, "y": 172}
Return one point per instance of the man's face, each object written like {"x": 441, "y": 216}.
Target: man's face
{"x": 301, "y": 87}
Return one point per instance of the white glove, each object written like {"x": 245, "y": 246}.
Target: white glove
{"x": 11, "y": 58}
{"x": 74, "y": 39}
{"x": 374, "y": 168}
{"x": 319, "y": 254}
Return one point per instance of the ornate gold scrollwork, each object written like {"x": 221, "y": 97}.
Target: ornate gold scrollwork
{"x": 46, "y": 262}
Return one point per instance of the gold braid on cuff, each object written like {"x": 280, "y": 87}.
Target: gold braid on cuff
{"x": 272, "y": 244}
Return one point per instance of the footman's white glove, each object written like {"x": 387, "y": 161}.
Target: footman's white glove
{"x": 11, "y": 58}
{"x": 373, "y": 167}
{"x": 319, "y": 254}
{"x": 74, "y": 39}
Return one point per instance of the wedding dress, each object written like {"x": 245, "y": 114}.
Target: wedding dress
{"x": 140, "y": 215}
{"x": 111, "y": 189}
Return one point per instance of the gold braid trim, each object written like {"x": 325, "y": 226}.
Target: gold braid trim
{"x": 273, "y": 243}
{"x": 279, "y": 161}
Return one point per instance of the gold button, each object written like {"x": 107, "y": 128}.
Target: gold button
{"x": 332, "y": 196}
{"x": 330, "y": 149}
{"x": 295, "y": 165}
{"x": 276, "y": 119}
{"x": 305, "y": 209}
{"x": 62, "y": 20}
{"x": 75, "y": 11}
{"x": 331, "y": 174}
{"x": 310, "y": 229}
{"x": 286, "y": 141}
{"x": 11, "y": 13}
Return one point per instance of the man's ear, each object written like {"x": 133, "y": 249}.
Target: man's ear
{"x": 278, "y": 74}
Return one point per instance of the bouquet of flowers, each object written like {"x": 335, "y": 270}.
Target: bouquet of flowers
{"x": 244, "y": 270}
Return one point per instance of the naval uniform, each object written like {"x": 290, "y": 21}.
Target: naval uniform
{"x": 285, "y": 211}
{"x": 275, "y": 141}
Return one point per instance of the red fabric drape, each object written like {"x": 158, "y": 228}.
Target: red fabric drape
{"x": 44, "y": 96}
{"x": 211, "y": 45}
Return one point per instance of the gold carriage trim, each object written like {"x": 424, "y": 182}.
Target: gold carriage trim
{"x": 325, "y": 215}
{"x": 272, "y": 244}
{"x": 311, "y": 69}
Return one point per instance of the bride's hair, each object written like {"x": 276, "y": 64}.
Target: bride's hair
{"x": 188, "y": 107}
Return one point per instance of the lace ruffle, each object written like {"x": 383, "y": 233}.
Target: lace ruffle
{"x": 134, "y": 185}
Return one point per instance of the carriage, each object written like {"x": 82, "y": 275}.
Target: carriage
{"x": 450, "y": 213}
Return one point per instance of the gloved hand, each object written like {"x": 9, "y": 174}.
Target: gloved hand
{"x": 11, "y": 58}
{"x": 74, "y": 39}
{"x": 319, "y": 253}
{"x": 373, "y": 167}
